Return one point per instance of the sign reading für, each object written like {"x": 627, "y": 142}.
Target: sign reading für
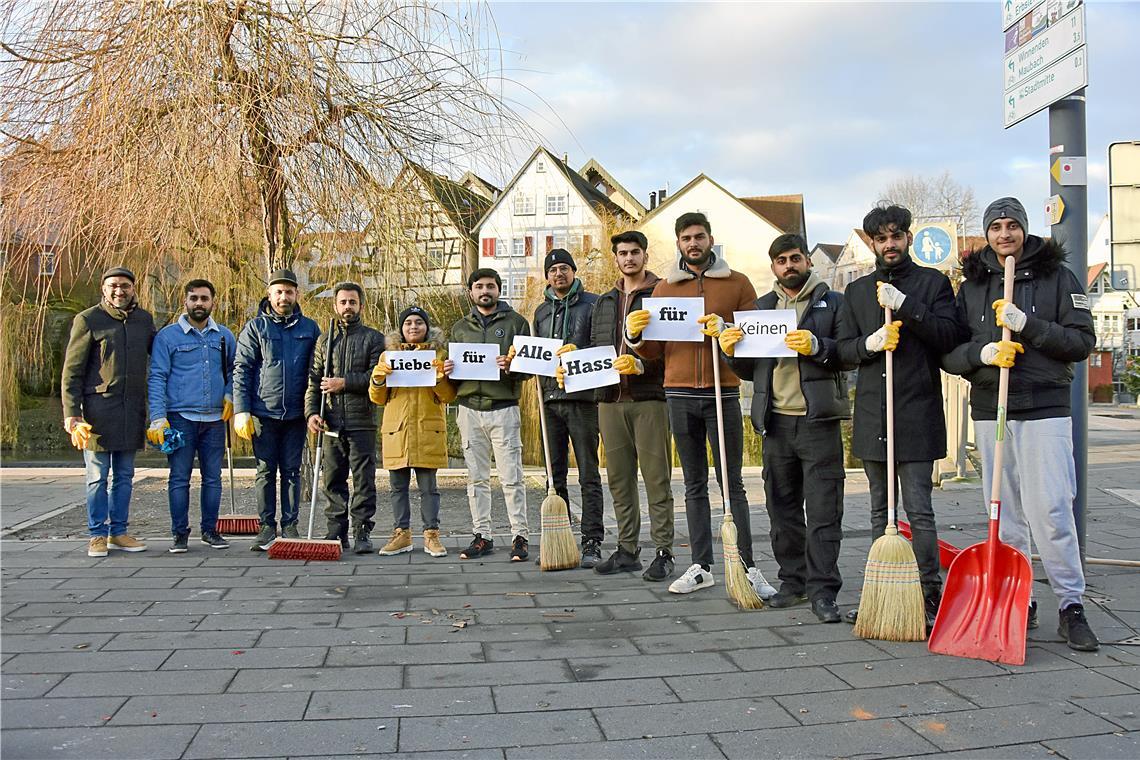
{"x": 411, "y": 369}
{"x": 474, "y": 361}
{"x": 674, "y": 319}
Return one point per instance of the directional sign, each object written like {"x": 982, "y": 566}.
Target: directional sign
{"x": 1013, "y": 10}
{"x": 1044, "y": 50}
{"x": 935, "y": 245}
{"x": 1054, "y": 210}
{"x": 1064, "y": 77}
{"x": 1070, "y": 170}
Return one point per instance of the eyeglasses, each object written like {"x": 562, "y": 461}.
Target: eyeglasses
{"x": 128, "y": 286}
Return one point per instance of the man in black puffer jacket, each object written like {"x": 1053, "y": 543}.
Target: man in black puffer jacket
{"x": 1052, "y": 327}
{"x": 571, "y": 418}
{"x": 355, "y": 350}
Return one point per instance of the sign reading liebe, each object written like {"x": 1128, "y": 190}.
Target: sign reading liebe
{"x": 590, "y": 368}
{"x": 411, "y": 369}
{"x": 535, "y": 356}
{"x": 674, "y": 319}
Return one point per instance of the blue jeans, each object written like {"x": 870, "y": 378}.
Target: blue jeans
{"x": 208, "y": 441}
{"x": 278, "y": 450}
{"x": 110, "y": 480}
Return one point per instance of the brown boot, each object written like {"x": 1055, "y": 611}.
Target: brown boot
{"x": 432, "y": 544}
{"x": 400, "y": 542}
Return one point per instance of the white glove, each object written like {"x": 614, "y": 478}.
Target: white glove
{"x": 886, "y": 338}
{"x": 890, "y": 297}
{"x": 1009, "y": 315}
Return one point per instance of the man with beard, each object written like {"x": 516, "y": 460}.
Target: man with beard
{"x": 274, "y": 354}
{"x": 355, "y": 349}
{"x": 797, "y": 404}
{"x": 922, "y": 304}
{"x": 103, "y": 389}
{"x": 1053, "y": 327}
{"x": 489, "y": 417}
{"x": 191, "y": 374}
{"x": 690, "y": 395}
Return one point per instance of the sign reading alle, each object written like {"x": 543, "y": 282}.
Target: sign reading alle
{"x": 474, "y": 361}
{"x": 535, "y": 356}
{"x": 674, "y": 319}
{"x": 764, "y": 333}
{"x": 411, "y": 369}
{"x": 590, "y": 368}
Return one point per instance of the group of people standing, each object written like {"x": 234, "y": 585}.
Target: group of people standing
{"x": 281, "y": 379}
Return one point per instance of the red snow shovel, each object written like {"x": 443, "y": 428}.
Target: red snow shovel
{"x": 946, "y": 550}
{"x": 986, "y": 599}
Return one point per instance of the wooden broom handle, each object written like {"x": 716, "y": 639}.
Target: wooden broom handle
{"x": 720, "y": 423}
{"x": 890, "y": 390}
{"x": 1003, "y": 387}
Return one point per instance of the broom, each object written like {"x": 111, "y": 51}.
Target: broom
{"x": 558, "y": 550}
{"x": 740, "y": 591}
{"x": 310, "y": 548}
{"x": 233, "y": 523}
{"x": 891, "y": 607}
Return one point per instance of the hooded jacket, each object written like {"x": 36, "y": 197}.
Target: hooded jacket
{"x": 271, "y": 369}
{"x": 607, "y": 328}
{"x": 931, "y": 327}
{"x": 689, "y": 365}
{"x": 501, "y": 328}
{"x": 569, "y": 319}
{"x": 1058, "y": 331}
{"x": 356, "y": 349}
{"x": 820, "y": 377}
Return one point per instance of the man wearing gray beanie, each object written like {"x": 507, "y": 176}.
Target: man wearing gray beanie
{"x": 1052, "y": 328}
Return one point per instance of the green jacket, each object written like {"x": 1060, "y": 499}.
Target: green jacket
{"x": 501, "y": 328}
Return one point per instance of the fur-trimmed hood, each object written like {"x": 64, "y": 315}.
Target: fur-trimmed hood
{"x": 680, "y": 272}
{"x": 1041, "y": 257}
{"x": 393, "y": 341}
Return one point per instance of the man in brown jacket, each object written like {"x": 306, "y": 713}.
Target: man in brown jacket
{"x": 691, "y": 396}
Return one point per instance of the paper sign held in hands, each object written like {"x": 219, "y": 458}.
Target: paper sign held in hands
{"x": 674, "y": 319}
{"x": 764, "y": 332}
{"x": 474, "y": 361}
{"x": 535, "y": 356}
{"x": 411, "y": 369}
{"x": 590, "y": 368}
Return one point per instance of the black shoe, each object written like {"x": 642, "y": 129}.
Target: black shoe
{"x": 660, "y": 568}
{"x": 1074, "y": 628}
{"x": 290, "y": 531}
{"x": 338, "y": 533}
{"x": 211, "y": 539}
{"x": 591, "y": 553}
{"x": 930, "y": 606}
{"x": 1031, "y": 618}
{"x": 785, "y": 597}
{"x": 265, "y": 539}
{"x": 479, "y": 546}
{"x": 852, "y": 616}
{"x": 519, "y": 549}
{"x": 620, "y": 561}
{"x": 362, "y": 545}
{"x": 179, "y": 545}
{"x": 825, "y": 609}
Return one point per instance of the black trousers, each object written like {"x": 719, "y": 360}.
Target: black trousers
{"x": 576, "y": 423}
{"x": 352, "y": 451}
{"x": 803, "y": 483}
{"x": 915, "y": 481}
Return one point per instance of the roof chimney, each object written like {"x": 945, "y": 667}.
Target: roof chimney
{"x": 653, "y": 200}
{"x": 661, "y": 195}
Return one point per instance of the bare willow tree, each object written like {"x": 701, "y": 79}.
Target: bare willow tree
{"x": 936, "y": 199}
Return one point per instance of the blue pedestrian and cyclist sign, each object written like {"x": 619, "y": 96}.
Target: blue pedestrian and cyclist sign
{"x": 935, "y": 245}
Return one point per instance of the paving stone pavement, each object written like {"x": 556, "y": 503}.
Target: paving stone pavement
{"x": 226, "y": 654}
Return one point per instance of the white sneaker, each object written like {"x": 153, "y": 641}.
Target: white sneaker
{"x": 763, "y": 588}
{"x": 694, "y": 579}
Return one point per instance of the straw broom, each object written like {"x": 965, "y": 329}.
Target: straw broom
{"x": 234, "y": 524}
{"x": 558, "y": 550}
{"x": 891, "y": 607}
{"x": 740, "y": 591}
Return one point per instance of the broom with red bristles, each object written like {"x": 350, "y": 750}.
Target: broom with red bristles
{"x": 234, "y": 524}
{"x": 317, "y": 550}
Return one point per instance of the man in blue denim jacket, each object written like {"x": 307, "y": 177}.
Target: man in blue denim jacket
{"x": 191, "y": 371}
{"x": 271, "y": 374}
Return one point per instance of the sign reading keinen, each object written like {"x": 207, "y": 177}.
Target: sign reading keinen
{"x": 674, "y": 319}
{"x": 764, "y": 332}
{"x": 474, "y": 361}
{"x": 411, "y": 369}
{"x": 590, "y": 368}
{"x": 535, "y": 356}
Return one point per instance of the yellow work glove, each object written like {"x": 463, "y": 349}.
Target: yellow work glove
{"x": 511, "y": 353}
{"x": 713, "y": 325}
{"x": 560, "y": 376}
{"x": 636, "y": 322}
{"x": 1009, "y": 315}
{"x": 227, "y": 409}
{"x": 886, "y": 338}
{"x": 802, "y": 342}
{"x": 80, "y": 434}
{"x": 628, "y": 364}
{"x": 244, "y": 425}
{"x": 438, "y": 364}
{"x": 154, "y": 433}
{"x": 566, "y": 349}
{"x": 1001, "y": 353}
{"x": 381, "y": 371}
{"x": 728, "y": 339}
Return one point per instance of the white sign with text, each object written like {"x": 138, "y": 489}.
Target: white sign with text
{"x": 535, "y": 356}
{"x": 590, "y": 368}
{"x": 474, "y": 361}
{"x": 411, "y": 369}
{"x": 674, "y": 319}
{"x": 764, "y": 333}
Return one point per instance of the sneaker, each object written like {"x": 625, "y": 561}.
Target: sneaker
{"x": 519, "y": 549}
{"x": 694, "y": 579}
{"x": 660, "y": 568}
{"x": 290, "y": 531}
{"x": 179, "y": 546}
{"x": 126, "y": 543}
{"x": 591, "y": 553}
{"x": 763, "y": 588}
{"x": 620, "y": 561}
{"x": 1074, "y": 628}
{"x": 400, "y": 542}
{"x": 363, "y": 543}
{"x": 97, "y": 546}
{"x": 338, "y": 533}
{"x": 786, "y": 597}
{"x": 212, "y": 539}
{"x": 432, "y": 544}
{"x": 826, "y": 610}
{"x": 265, "y": 538}
{"x": 852, "y": 616}
{"x": 479, "y": 546}
{"x": 1031, "y": 618}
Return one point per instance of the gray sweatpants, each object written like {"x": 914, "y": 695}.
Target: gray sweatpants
{"x": 1039, "y": 482}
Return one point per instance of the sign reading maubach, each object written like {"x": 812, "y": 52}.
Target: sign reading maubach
{"x": 674, "y": 319}
{"x": 411, "y": 369}
{"x": 474, "y": 361}
{"x": 590, "y": 368}
{"x": 1064, "y": 77}
{"x": 764, "y": 332}
{"x": 535, "y": 356}
{"x": 1041, "y": 52}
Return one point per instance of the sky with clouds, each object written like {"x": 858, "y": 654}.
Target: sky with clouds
{"x": 831, "y": 100}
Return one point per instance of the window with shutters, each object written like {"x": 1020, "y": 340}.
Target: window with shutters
{"x": 488, "y": 247}
{"x": 556, "y": 204}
